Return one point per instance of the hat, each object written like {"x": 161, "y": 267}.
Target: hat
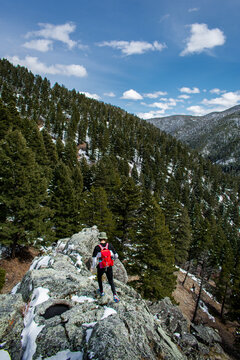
{"x": 102, "y": 235}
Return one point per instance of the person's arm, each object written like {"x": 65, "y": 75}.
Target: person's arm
{"x": 113, "y": 251}
{"x": 95, "y": 256}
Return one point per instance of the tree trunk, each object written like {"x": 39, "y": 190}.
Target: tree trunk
{"x": 185, "y": 278}
{"x": 14, "y": 246}
{"x": 13, "y": 249}
{"x": 224, "y": 300}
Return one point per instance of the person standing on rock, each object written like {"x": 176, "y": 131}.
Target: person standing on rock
{"x": 103, "y": 256}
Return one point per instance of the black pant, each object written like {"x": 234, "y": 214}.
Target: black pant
{"x": 109, "y": 273}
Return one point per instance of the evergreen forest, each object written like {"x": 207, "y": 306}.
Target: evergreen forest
{"x": 69, "y": 162}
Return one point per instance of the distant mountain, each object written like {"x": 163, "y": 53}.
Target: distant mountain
{"x": 215, "y": 135}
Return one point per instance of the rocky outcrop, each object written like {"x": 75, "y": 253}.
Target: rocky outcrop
{"x": 57, "y": 313}
{"x": 195, "y": 341}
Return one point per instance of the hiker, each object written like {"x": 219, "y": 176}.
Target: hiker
{"x": 104, "y": 254}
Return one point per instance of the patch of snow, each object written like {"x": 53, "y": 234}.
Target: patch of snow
{"x": 42, "y": 262}
{"x": 170, "y": 168}
{"x": 92, "y": 277}
{"x": 79, "y": 261}
{"x": 220, "y": 198}
{"x": 65, "y": 355}
{"x": 60, "y": 246}
{"x": 88, "y": 334}
{"x": 177, "y": 334}
{"x": 31, "y": 329}
{"x": 107, "y": 312}
{"x": 3, "y": 249}
{"x": 15, "y": 288}
{"x": 82, "y": 299}
{"x": 204, "y": 308}
{"x": 4, "y": 355}
{"x": 89, "y": 325}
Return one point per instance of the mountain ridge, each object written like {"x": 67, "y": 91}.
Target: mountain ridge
{"x": 215, "y": 135}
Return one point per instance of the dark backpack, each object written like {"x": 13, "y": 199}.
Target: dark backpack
{"x": 106, "y": 259}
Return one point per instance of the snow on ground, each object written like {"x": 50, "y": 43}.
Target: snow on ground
{"x": 198, "y": 281}
{"x": 42, "y": 262}
{"x": 107, "y": 312}
{"x": 65, "y": 355}
{"x": 31, "y": 329}
{"x": 4, "y": 355}
{"x": 81, "y": 299}
{"x": 204, "y": 308}
{"x": 92, "y": 277}
{"x": 89, "y": 325}
{"x": 88, "y": 334}
{"x": 15, "y": 289}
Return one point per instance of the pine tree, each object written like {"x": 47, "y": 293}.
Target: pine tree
{"x": 78, "y": 188}
{"x": 50, "y": 149}
{"x": 63, "y": 201}
{"x": 87, "y": 173}
{"x": 182, "y": 237}
{"x": 23, "y": 192}
{"x": 155, "y": 252}
{"x": 95, "y": 211}
{"x": 125, "y": 209}
{"x": 5, "y": 120}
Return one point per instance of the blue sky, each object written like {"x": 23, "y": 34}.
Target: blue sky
{"x": 152, "y": 58}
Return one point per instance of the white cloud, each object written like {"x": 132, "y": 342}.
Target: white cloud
{"x": 42, "y": 45}
{"x": 164, "y": 17}
{"x": 202, "y": 39}
{"x": 39, "y": 67}
{"x": 221, "y": 103}
{"x": 134, "y": 47}
{"x": 55, "y": 32}
{"x": 193, "y": 10}
{"x": 155, "y": 95}
{"x": 164, "y": 105}
{"x": 110, "y": 94}
{"x": 226, "y": 100}
{"x": 184, "y": 96}
{"x": 217, "y": 91}
{"x": 197, "y": 110}
{"x": 151, "y": 114}
{"x": 188, "y": 90}
{"x": 91, "y": 96}
{"x": 131, "y": 95}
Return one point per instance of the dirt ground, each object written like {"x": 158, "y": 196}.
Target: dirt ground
{"x": 16, "y": 269}
{"x": 186, "y": 298}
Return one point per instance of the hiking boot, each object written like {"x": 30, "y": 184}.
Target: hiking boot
{"x": 116, "y": 298}
{"x": 100, "y": 293}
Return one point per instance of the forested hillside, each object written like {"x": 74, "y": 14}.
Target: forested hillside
{"x": 216, "y": 135}
{"x": 68, "y": 162}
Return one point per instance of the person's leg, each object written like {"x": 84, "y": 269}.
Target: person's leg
{"x": 109, "y": 273}
{"x": 100, "y": 273}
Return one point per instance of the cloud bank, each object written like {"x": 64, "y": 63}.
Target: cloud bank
{"x": 38, "y": 67}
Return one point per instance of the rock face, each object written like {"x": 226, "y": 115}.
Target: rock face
{"x": 197, "y": 342}
{"x": 57, "y": 313}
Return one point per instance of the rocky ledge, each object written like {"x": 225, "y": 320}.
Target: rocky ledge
{"x": 55, "y": 313}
